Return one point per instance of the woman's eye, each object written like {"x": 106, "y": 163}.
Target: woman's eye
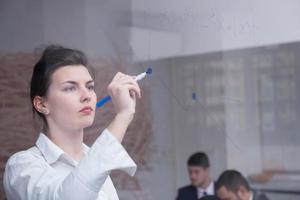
{"x": 68, "y": 89}
{"x": 91, "y": 87}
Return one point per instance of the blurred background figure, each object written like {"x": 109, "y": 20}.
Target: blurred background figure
{"x": 199, "y": 174}
{"x": 231, "y": 185}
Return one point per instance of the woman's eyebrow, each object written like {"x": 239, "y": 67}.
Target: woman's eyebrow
{"x": 76, "y": 83}
{"x": 90, "y": 81}
{"x": 71, "y": 82}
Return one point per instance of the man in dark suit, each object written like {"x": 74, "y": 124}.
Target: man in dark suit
{"x": 232, "y": 185}
{"x": 199, "y": 174}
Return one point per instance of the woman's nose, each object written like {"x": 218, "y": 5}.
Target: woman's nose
{"x": 85, "y": 96}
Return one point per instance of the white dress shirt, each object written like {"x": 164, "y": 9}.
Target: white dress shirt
{"x": 251, "y": 197}
{"x": 210, "y": 190}
{"x": 46, "y": 172}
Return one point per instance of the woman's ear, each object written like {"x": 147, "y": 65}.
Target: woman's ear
{"x": 39, "y": 105}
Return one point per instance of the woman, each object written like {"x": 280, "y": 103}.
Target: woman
{"x": 60, "y": 166}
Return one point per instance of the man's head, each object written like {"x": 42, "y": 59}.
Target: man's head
{"x": 198, "y": 169}
{"x": 231, "y": 185}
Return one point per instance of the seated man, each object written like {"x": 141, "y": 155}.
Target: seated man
{"x": 231, "y": 185}
{"x": 201, "y": 183}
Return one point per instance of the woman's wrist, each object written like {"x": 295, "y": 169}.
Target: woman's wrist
{"x": 124, "y": 117}
{"x": 120, "y": 124}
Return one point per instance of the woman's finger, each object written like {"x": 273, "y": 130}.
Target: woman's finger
{"x": 134, "y": 88}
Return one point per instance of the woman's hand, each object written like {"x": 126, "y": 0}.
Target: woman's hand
{"x": 123, "y": 90}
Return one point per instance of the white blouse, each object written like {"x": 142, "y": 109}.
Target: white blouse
{"x": 45, "y": 171}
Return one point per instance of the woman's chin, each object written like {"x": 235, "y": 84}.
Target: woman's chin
{"x": 86, "y": 123}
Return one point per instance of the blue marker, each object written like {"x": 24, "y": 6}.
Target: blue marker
{"x": 137, "y": 78}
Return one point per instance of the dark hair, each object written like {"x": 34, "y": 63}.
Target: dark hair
{"x": 198, "y": 159}
{"x": 232, "y": 180}
{"x": 53, "y": 57}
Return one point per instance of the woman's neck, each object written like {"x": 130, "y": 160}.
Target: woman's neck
{"x": 68, "y": 140}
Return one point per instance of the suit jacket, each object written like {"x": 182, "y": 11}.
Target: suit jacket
{"x": 188, "y": 193}
{"x": 259, "y": 196}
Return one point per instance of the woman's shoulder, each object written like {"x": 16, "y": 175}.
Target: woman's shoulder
{"x": 26, "y": 156}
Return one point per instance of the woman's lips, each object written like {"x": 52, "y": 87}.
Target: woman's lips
{"x": 86, "y": 110}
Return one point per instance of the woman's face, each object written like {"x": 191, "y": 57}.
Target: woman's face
{"x": 71, "y": 99}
